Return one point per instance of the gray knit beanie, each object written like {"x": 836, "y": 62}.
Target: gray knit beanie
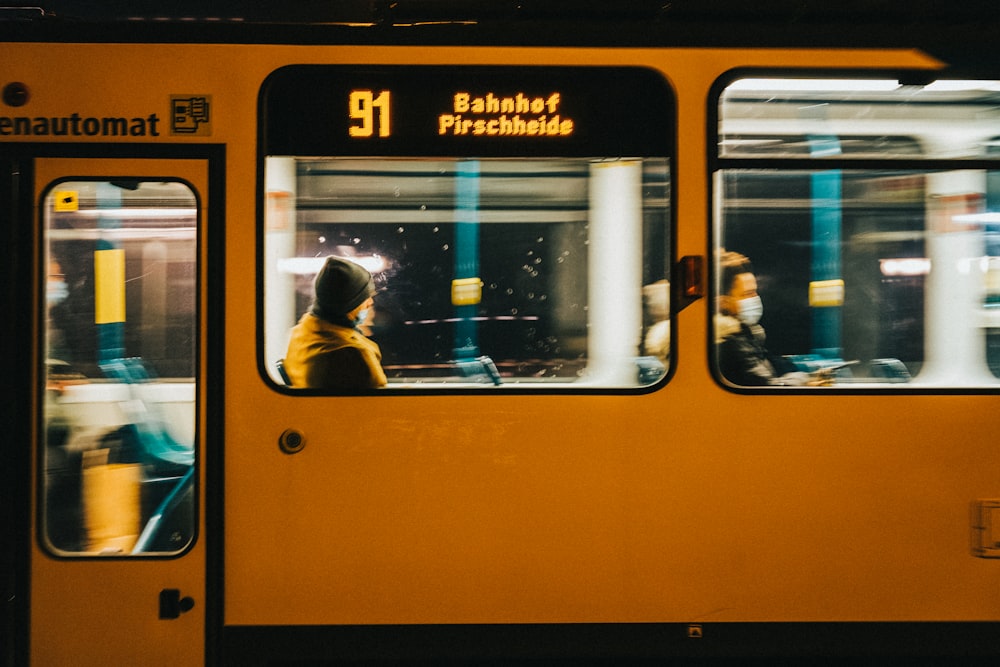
{"x": 340, "y": 287}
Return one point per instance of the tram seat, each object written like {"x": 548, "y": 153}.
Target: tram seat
{"x": 889, "y": 370}
{"x": 168, "y": 461}
{"x": 813, "y": 363}
{"x": 279, "y": 366}
{"x": 481, "y": 366}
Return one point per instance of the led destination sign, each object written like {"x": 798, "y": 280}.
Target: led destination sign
{"x": 460, "y": 111}
{"x": 494, "y": 116}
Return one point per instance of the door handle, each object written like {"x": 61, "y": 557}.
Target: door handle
{"x": 172, "y": 605}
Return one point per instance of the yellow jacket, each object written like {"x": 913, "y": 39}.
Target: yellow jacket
{"x": 324, "y": 355}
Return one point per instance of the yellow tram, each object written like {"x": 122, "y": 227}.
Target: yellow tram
{"x": 559, "y": 466}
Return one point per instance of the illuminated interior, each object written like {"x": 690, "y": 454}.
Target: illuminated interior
{"x": 555, "y": 257}
{"x": 884, "y": 188}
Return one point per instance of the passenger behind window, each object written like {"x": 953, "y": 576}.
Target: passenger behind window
{"x": 326, "y": 350}
{"x": 743, "y": 358}
{"x": 656, "y": 319}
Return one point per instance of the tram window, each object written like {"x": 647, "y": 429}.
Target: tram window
{"x": 874, "y": 271}
{"x": 120, "y": 359}
{"x": 552, "y": 271}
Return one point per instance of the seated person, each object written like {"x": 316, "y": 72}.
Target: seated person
{"x": 326, "y": 350}
{"x": 656, "y": 319}
{"x": 743, "y": 358}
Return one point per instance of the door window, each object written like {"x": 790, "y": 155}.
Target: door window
{"x": 120, "y": 360}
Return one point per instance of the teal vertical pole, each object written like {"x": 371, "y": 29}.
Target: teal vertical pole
{"x": 827, "y": 222}
{"x": 466, "y": 253}
{"x": 992, "y": 297}
{"x": 110, "y": 335}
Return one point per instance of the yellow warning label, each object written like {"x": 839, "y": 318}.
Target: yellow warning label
{"x": 109, "y": 286}
{"x": 466, "y": 291}
{"x": 826, "y": 293}
{"x": 65, "y": 200}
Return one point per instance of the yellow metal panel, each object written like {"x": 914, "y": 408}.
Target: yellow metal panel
{"x": 532, "y": 508}
{"x": 104, "y": 611}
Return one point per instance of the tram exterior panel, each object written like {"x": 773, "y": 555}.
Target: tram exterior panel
{"x": 685, "y": 501}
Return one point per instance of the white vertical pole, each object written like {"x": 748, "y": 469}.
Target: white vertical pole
{"x": 279, "y": 243}
{"x": 614, "y": 294}
{"x": 954, "y": 343}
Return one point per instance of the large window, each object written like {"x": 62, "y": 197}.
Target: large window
{"x": 867, "y": 212}
{"x": 538, "y": 265}
{"x": 516, "y": 222}
{"x": 119, "y": 345}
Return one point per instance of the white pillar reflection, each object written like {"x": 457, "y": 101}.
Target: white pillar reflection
{"x": 279, "y": 244}
{"x": 614, "y": 273}
{"x": 954, "y": 341}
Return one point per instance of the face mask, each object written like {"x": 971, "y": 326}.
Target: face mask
{"x": 750, "y": 310}
{"x": 362, "y": 316}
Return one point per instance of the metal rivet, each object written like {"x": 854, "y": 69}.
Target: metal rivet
{"x": 15, "y": 94}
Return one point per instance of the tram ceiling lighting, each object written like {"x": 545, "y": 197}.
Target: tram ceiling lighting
{"x": 124, "y": 234}
{"x": 978, "y": 218}
{"x": 957, "y": 85}
{"x": 921, "y": 266}
{"x": 135, "y": 213}
{"x": 307, "y": 266}
{"x": 905, "y": 266}
{"x": 814, "y": 85}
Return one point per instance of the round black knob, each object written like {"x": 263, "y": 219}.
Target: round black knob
{"x": 291, "y": 441}
{"x": 15, "y": 94}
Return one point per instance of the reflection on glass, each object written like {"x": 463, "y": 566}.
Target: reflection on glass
{"x": 120, "y": 338}
{"x": 860, "y": 118}
{"x": 536, "y": 268}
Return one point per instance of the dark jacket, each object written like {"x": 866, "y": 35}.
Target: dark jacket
{"x": 743, "y": 358}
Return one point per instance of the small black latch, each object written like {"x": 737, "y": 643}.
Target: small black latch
{"x": 172, "y": 605}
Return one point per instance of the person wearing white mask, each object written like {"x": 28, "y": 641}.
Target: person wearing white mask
{"x": 326, "y": 349}
{"x": 743, "y": 358}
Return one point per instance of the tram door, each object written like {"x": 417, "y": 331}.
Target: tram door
{"x": 118, "y": 554}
